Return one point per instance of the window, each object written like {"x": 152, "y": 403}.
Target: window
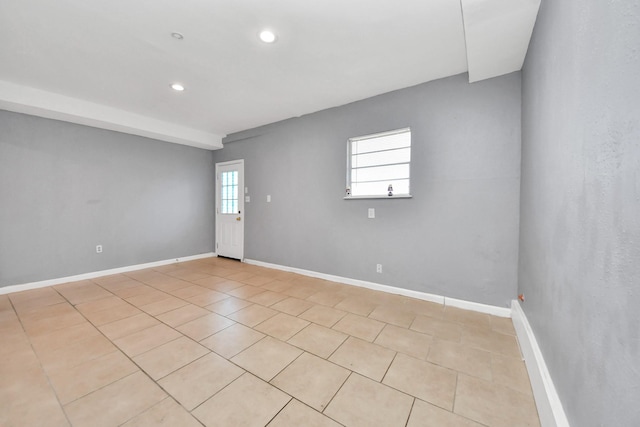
{"x": 378, "y": 165}
{"x": 230, "y": 192}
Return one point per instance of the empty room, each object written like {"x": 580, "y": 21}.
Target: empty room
{"x": 287, "y": 213}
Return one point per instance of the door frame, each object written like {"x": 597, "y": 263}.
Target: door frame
{"x": 241, "y": 193}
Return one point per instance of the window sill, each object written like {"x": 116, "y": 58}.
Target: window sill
{"x": 400, "y": 196}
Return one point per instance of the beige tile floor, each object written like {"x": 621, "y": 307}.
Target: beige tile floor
{"x": 216, "y": 342}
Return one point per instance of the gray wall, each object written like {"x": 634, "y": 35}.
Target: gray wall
{"x": 65, "y": 188}
{"x": 457, "y": 236}
{"x": 580, "y": 223}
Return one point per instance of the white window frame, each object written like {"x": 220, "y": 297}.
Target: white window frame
{"x": 348, "y": 195}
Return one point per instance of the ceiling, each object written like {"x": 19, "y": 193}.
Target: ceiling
{"x": 110, "y": 63}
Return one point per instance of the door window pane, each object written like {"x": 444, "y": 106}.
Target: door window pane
{"x": 229, "y": 200}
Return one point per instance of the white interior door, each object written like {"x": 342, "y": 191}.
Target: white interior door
{"x": 230, "y": 209}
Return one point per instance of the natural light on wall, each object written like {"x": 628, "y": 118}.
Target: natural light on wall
{"x": 379, "y": 165}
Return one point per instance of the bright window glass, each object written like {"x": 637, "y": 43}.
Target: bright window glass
{"x": 376, "y": 162}
{"x": 229, "y": 192}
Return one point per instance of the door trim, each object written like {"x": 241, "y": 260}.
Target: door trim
{"x": 240, "y": 202}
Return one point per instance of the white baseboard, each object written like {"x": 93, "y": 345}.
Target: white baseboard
{"x": 467, "y": 305}
{"x": 547, "y": 400}
{"x": 93, "y": 275}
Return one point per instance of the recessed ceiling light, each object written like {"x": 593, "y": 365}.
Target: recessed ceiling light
{"x": 267, "y": 36}
{"x": 177, "y": 86}
{"x": 177, "y": 36}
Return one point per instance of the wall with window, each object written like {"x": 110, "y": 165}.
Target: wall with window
{"x": 458, "y": 234}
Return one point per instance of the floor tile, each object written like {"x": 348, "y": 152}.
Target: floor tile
{"x": 52, "y": 355}
{"x": 267, "y": 298}
{"x": 72, "y": 355}
{"x": 425, "y": 308}
{"x": 423, "y": 380}
{"x": 162, "y": 306}
{"x": 318, "y": 340}
{"x": 367, "y": 359}
{"x": 299, "y": 414}
{"x": 205, "y": 326}
{"x": 467, "y": 317}
{"x": 27, "y": 300}
{"x": 129, "y": 325}
{"x": 511, "y": 372}
{"x": 494, "y": 404}
{"x": 293, "y": 306}
{"x": 115, "y": 403}
{"x": 240, "y": 276}
{"x": 405, "y": 341}
{"x": 362, "y": 402}
{"x": 77, "y": 381}
{"x": 324, "y": 316}
{"x": 259, "y": 404}
{"x": 182, "y": 315}
{"x": 189, "y": 291}
{"x": 328, "y": 298}
{"x": 147, "y": 298}
{"x": 207, "y": 282}
{"x": 196, "y": 382}
{"x": 245, "y": 292}
{"x": 252, "y": 315}
{"x": 282, "y": 326}
{"x": 226, "y": 286}
{"x": 461, "y": 358}
{"x": 26, "y": 398}
{"x": 424, "y": 414}
{"x": 491, "y": 341}
{"x": 277, "y": 286}
{"x": 169, "y": 357}
{"x": 437, "y": 328}
{"x": 228, "y": 306}
{"x": 146, "y": 339}
{"x": 258, "y": 280}
{"x": 63, "y": 337}
{"x": 358, "y": 306}
{"x": 207, "y": 298}
{"x": 360, "y": 327}
{"x": 40, "y": 323}
{"x": 311, "y": 380}
{"x": 393, "y": 315}
{"x": 232, "y": 340}
{"x": 300, "y": 291}
{"x": 103, "y": 317}
{"x": 101, "y": 304}
{"x": 504, "y": 325}
{"x": 267, "y": 357}
{"x": 167, "y": 413}
{"x": 79, "y": 292}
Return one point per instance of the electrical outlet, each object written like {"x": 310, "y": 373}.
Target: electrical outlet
{"x": 268, "y": 198}
{"x": 99, "y": 249}
{"x": 378, "y": 268}
{"x": 371, "y": 213}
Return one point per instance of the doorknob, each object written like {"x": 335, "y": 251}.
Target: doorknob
{"x": 238, "y": 219}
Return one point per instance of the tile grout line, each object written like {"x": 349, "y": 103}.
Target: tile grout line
{"x": 35, "y": 353}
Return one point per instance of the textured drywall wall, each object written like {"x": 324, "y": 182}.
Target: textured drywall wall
{"x": 65, "y": 188}
{"x": 580, "y": 211}
{"x": 457, "y": 236}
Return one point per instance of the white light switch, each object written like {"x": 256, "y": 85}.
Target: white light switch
{"x": 372, "y": 213}
{"x": 268, "y": 198}
{"x": 246, "y": 190}
{"x": 247, "y": 199}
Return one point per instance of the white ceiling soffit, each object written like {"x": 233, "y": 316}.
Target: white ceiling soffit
{"x": 497, "y": 33}
{"x": 109, "y": 63}
{"x": 40, "y": 103}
